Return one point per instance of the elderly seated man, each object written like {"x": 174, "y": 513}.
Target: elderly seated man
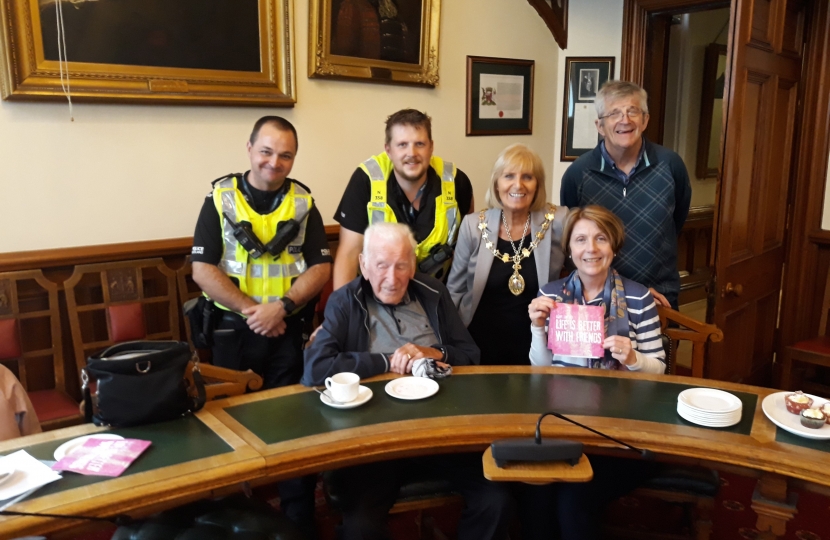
{"x": 383, "y": 321}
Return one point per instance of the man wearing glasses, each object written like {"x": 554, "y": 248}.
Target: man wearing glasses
{"x": 644, "y": 184}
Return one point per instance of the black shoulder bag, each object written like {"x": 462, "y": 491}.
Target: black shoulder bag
{"x": 140, "y": 382}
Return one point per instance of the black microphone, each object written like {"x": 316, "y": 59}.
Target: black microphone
{"x": 644, "y": 453}
{"x": 536, "y": 449}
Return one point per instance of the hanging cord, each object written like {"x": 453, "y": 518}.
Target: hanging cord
{"x": 63, "y": 65}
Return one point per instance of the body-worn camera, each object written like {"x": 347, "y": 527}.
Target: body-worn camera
{"x": 244, "y": 234}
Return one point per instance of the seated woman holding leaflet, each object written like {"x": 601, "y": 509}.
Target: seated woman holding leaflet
{"x": 591, "y": 238}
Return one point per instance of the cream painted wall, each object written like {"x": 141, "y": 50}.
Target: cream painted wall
{"x": 130, "y": 173}
{"x": 594, "y": 29}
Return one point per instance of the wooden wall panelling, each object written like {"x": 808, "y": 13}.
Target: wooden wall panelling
{"x": 808, "y": 251}
{"x": 58, "y": 266}
{"x": 694, "y": 249}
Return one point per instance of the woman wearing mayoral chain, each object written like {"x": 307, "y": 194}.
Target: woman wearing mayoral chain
{"x": 504, "y": 254}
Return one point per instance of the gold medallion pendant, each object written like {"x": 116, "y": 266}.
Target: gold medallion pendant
{"x": 516, "y": 283}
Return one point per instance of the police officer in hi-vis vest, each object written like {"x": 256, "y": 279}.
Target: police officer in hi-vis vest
{"x": 404, "y": 184}
{"x": 260, "y": 254}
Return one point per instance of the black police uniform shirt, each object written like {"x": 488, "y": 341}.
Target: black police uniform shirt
{"x": 207, "y": 240}
{"x": 353, "y": 215}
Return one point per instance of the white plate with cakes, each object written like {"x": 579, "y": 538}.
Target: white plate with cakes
{"x": 775, "y": 407}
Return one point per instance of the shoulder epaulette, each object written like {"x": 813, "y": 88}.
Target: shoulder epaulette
{"x": 231, "y": 175}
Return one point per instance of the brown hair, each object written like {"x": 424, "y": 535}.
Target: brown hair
{"x": 278, "y": 122}
{"x": 605, "y": 220}
{"x": 614, "y": 90}
{"x": 408, "y": 117}
{"x": 520, "y": 158}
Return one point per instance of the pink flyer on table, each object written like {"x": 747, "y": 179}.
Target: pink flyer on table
{"x": 577, "y": 330}
{"x": 102, "y": 457}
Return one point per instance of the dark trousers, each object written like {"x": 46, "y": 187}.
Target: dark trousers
{"x": 279, "y": 361}
{"x": 368, "y": 492}
{"x": 565, "y": 511}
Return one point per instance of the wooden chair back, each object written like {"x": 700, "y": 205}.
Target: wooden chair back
{"x": 688, "y": 329}
{"x": 188, "y": 290}
{"x": 120, "y": 301}
{"x": 30, "y": 316}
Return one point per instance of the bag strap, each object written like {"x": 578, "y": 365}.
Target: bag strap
{"x": 87, "y": 396}
{"x": 199, "y": 381}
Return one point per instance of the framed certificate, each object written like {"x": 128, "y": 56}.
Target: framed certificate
{"x": 499, "y": 96}
{"x": 584, "y": 76}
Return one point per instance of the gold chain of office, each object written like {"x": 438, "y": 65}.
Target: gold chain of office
{"x": 516, "y": 283}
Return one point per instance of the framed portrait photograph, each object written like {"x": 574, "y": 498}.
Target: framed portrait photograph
{"x": 499, "y": 96}
{"x": 584, "y": 76}
{"x": 383, "y": 41}
{"x": 228, "y": 52}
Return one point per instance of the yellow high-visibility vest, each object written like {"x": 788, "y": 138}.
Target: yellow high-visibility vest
{"x": 267, "y": 278}
{"x": 447, "y": 216}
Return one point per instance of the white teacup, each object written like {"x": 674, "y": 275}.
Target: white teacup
{"x": 343, "y": 386}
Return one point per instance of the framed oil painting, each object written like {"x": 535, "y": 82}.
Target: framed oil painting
{"x": 230, "y": 52}
{"x": 383, "y": 41}
{"x": 499, "y": 96}
{"x": 584, "y": 77}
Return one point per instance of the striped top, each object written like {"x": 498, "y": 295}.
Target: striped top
{"x": 644, "y": 331}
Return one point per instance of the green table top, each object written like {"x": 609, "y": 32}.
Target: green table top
{"x": 174, "y": 442}
{"x": 276, "y": 420}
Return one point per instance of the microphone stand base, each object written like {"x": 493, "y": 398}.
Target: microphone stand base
{"x": 537, "y": 472}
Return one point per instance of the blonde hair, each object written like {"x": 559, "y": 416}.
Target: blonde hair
{"x": 614, "y": 90}
{"x": 520, "y": 158}
{"x": 605, "y": 219}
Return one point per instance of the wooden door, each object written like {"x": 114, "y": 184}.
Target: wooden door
{"x": 765, "y": 70}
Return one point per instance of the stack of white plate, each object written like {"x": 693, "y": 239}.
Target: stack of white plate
{"x": 709, "y": 407}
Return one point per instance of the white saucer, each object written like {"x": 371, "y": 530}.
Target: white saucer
{"x": 364, "y": 394}
{"x": 710, "y": 400}
{"x": 708, "y": 421}
{"x": 69, "y": 446}
{"x": 411, "y": 388}
{"x": 776, "y": 410}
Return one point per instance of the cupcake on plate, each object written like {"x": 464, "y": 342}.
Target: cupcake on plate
{"x": 826, "y": 410}
{"x": 813, "y": 418}
{"x": 797, "y": 402}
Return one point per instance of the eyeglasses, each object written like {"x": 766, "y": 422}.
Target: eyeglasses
{"x": 616, "y": 116}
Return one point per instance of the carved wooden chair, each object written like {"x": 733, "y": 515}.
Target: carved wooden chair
{"x": 815, "y": 350}
{"x": 30, "y": 345}
{"x": 121, "y": 301}
{"x": 687, "y": 329}
{"x": 219, "y": 382}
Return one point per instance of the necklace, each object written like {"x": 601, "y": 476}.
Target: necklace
{"x": 516, "y": 283}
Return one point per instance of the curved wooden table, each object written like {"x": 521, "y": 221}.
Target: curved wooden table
{"x": 287, "y": 432}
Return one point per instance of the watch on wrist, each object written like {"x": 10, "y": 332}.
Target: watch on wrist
{"x": 288, "y": 304}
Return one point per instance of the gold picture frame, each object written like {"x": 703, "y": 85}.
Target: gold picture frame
{"x": 29, "y": 69}
{"x": 342, "y": 49}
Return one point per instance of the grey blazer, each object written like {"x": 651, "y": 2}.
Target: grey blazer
{"x": 468, "y": 275}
